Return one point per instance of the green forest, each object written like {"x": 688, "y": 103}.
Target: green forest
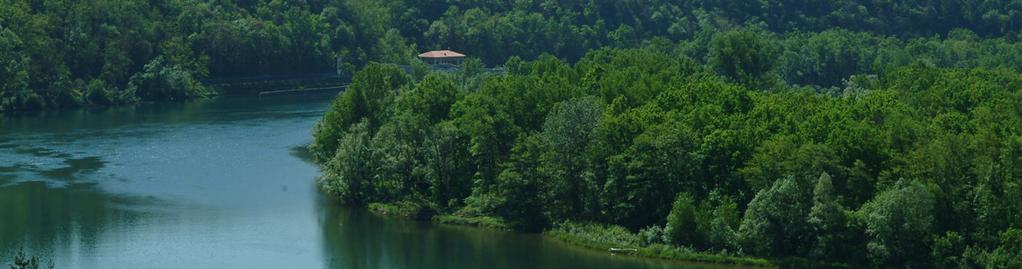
{"x": 59, "y": 54}
{"x": 916, "y": 167}
{"x": 838, "y": 133}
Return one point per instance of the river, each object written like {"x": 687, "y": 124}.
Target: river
{"x": 219, "y": 183}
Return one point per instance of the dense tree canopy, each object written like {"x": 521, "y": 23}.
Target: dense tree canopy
{"x": 59, "y": 53}
{"x": 840, "y": 132}
{"x": 910, "y": 167}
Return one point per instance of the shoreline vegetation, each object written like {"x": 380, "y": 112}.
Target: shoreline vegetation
{"x": 841, "y": 133}
{"x": 717, "y": 161}
{"x": 606, "y": 238}
{"x": 618, "y": 240}
{"x": 23, "y": 261}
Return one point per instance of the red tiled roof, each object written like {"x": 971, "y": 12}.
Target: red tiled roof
{"x": 441, "y": 54}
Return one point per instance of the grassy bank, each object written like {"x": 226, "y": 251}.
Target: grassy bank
{"x": 602, "y": 237}
{"x": 416, "y": 211}
{"x": 408, "y": 210}
{"x": 475, "y": 221}
{"x": 619, "y": 240}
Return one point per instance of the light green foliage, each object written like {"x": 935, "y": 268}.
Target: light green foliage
{"x": 1009, "y": 253}
{"x": 350, "y": 174}
{"x": 374, "y": 89}
{"x": 722, "y": 232}
{"x": 603, "y": 237}
{"x": 368, "y": 97}
{"x": 774, "y": 223}
{"x": 335, "y": 122}
{"x": 158, "y": 81}
{"x": 826, "y": 219}
{"x": 433, "y": 97}
{"x": 999, "y": 196}
{"x": 898, "y": 223}
{"x": 568, "y": 134}
{"x": 653, "y": 235}
{"x": 948, "y": 250}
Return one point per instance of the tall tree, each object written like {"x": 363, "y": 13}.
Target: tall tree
{"x": 775, "y": 221}
{"x": 898, "y": 223}
{"x": 568, "y": 133}
{"x": 827, "y": 220}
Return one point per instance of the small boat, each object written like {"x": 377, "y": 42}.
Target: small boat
{"x": 622, "y": 250}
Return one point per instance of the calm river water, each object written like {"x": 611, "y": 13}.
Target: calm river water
{"x": 219, "y": 183}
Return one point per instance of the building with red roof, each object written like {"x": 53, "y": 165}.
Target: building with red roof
{"x": 442, "y": 57}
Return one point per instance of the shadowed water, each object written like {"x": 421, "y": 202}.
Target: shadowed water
{"x": 220, "y": 183}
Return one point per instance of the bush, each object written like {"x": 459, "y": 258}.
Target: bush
{"x": 349, "y": 173}
{"x": 477, "y": 221}
{"x": 654, "y": 235}
{"x": 683, "y": 225}
{"x": 404, "y": 209}
{"x": 98, "y": 92}
{"x": 606, "y": 237}
{"x": 774, "y": 223}
{"x": 22, "y": 261}
{"x": 160, "y": 81}
{"x": 898, "y": 224}
{"x": 1009, "y": 253}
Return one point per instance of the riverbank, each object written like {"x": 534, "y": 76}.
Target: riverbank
{"x": 152, "y": 89}
{"x": 618, "y": 240}
{"x": 611, "y": 239}
{"x": 415, "y": 211}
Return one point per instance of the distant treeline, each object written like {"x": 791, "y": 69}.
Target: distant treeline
{"x": 63, "y": 53}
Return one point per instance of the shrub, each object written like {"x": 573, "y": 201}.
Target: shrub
{"x": 160, "y": 81}
{"x": 21, "y": 261}
{"x": 683, "y": 223}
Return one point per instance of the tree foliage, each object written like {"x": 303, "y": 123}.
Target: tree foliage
{"x": 912, "y": 167}
{"x": 744, "y": 55}
{"x": 55, "y": 50}
{"x": 845, "y": 132}
{"x": 898, "y": 223}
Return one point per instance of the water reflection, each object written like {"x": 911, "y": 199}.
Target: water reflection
{"x": 48, "y": 220}
{"x": 223, "y": 183}
{"x": 142, "y": 186}
{"x": 354, "y": 238}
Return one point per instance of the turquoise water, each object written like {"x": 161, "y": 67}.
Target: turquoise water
{"x": 220, "y": 183}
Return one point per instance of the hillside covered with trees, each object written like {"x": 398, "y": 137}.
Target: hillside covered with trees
{"x": 60, "y": 54}
{"x": 915, "y": 167}
{"x": 844, "y": 133}
{"x": 860, "y": 134}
